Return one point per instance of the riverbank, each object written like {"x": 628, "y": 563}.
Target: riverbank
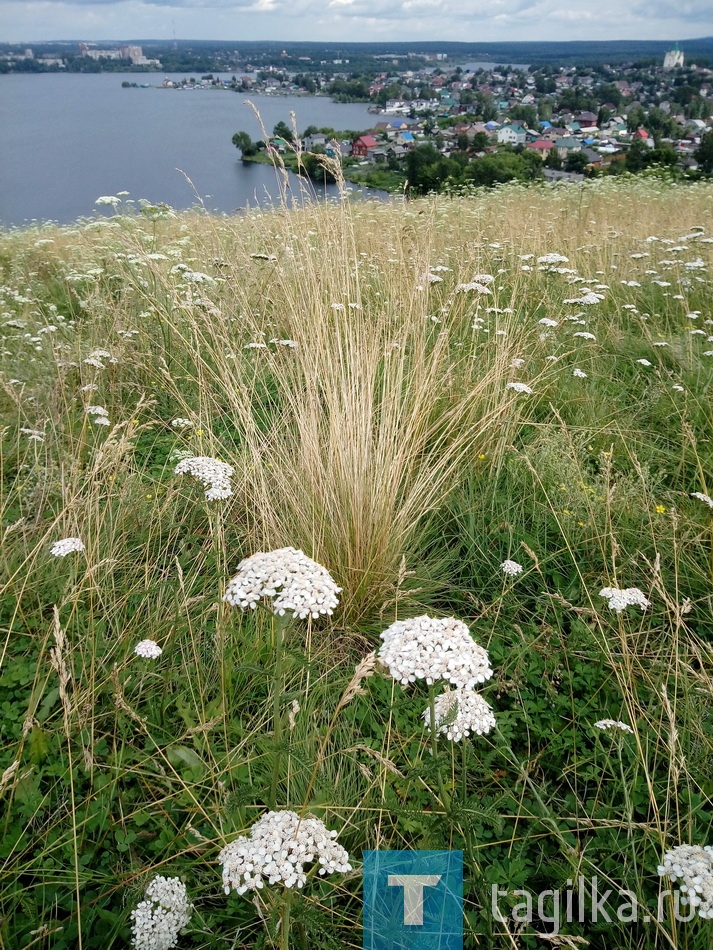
{"x": 365, "y": 175}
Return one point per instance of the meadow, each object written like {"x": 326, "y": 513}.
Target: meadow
{"x": 491, "y": 408}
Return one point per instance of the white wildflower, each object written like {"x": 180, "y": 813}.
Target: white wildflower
{"x": 148, "y": 649}
{"x": 157, "y": 921}
{"x": 621, "y": 599}
{"x": 701, "y": 497}
{"x": 96, "y": 411}
{"x": 553, "y": 258}
{"x": 613, "y": 724}
{"x": 101, "y": 421}
{"x": 214, "y": 475}
{"x": 519, "y": 388}
{"x": 181, "y": 423}
{"x": 584, "y": 335}
{"x": 589, "y": 298}
{"x": 693, "y": 866}
{"x": 678, "y": 389}
{"x": 579, "y": 373}
{"x": 433, "y": 649}
{"x": 108, "y": 200}
{"x": 644, "y": 362}
{"x": 460, "y": 712}
{"x": 473, "y": 285}
{"x": 280, "y": 844}
{"x": 511, "y": 567}
{"x": 547, "y": 322}
{"x": 296, "y": 582}
{"x": 66, "y": 546}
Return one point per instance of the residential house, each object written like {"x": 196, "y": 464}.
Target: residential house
{"x": 362, "y": 146}
{"x": 512, "y": 135}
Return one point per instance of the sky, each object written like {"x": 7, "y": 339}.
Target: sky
{"x": 355, "y": 20}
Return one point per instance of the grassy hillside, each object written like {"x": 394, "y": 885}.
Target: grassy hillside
{"x": 354, "y": 363}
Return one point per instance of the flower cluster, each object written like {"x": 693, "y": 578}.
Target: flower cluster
{"x": 693, "y": 865}
{"x": 621, "y": 599}
{"x": 211, "y": 473}
{"x": 460, "y": 712}
{"x": 511, "y": 567}
{"x": 181, "y": 423}
{"x": 158, "y": 920}
{"x": 148, "y": 649}
{"x": 434, "y": 649}
{"x": 706, "y": 499}
{"x": 613, "y": 724}
{"x": 520, "y": 388}
{"x": 66, "y": 546}
{"x": 296, "y": 582}
{"x": 278, "y": 847}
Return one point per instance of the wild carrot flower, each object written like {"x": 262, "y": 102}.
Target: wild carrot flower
{"x": 148, "y": 649}
{"x": 693, "y": 866}
{"x": 278, "y": 847}
{"x": 579, "y": 373}
{"x": 460, "y": 712}
{"x": 511, "y": 567}
{"x": 704, "y": 498}
{"x": 295, "y": 581}
{"x": 519, "y": 388}
{"x": 181, "y": 423}
{"x": 607, "y": 724}
{"x": 644, "y": 362}
{"x": 157, "y": 921}
{"x": 66, "y": 546}
{"x": 433, "y": 649}
{"x": 214, "y": 475}
{"x": 621, "y": 599}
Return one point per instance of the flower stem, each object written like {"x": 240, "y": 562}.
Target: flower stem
{"x": 285, "y": 920}
{"x": 445, "y": 800}
{"x": 279, "y": 624}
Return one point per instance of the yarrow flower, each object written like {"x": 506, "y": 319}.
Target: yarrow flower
{"x": 511, "y": 567}
{"x": 693, "y": 866}
{"x": 295, "y": 581}
{"x": 579, "y": 373}
{"x": 607, "y": 724}
{"x": 181, "y": 423}
{"x": 519, "y": 388}
{"x": 621, "y": 599}
{"x": 704, "y": 498}
{"x": 278, "y": 847}
{"x": 431, "y": 649}
{"x": 157, "y": 921}
{"x": 148, "y": 649}
{"x": 460, "y": 712}
{"x": 214, "y": 475}
{"x": 66, "y": 546}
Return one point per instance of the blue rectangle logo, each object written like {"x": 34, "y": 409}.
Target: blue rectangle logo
{"x": 413, "y": 900}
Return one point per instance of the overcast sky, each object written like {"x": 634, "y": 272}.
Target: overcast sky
{"x": 355, "y": 20}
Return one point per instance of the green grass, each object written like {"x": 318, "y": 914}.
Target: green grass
{"x": 387, "y": 446}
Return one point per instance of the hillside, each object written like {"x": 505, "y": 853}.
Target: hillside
{"x": 496, "y": 409}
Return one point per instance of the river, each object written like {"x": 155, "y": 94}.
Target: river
{"x": 68, "y": 139}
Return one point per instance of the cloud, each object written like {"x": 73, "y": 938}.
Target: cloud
{"x": 364, "y": 20}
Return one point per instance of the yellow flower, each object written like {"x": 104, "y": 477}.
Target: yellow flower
{"x": 199, "y": 432}
{"x": 482, "y": 456}
{"x": 660, "y": 509}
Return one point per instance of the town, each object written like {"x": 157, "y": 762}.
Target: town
{"x": 442, "y": 121}
{"x": 441, "y": 127}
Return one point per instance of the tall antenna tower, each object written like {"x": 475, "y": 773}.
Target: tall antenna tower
{"x": 175, "y": 42}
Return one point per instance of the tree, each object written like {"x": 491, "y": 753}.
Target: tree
{"x": 246, "y": 145}
{"x": 704, "y": 154}
{"x": 283, "y": 131}
{"x": 576, "y": 162}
